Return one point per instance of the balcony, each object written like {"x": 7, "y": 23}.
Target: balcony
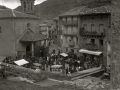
{"x": 92, "y": 33}
{"x": 94, "y": 47}
{"x": 70, "y": 23}
{"x": 64, "y": 32}
{"x": 90, "y": 46}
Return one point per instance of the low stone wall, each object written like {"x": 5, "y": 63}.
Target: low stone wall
{"x": 31, "y": 74}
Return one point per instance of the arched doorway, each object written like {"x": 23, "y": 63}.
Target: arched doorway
{"x": 28, "y": 50}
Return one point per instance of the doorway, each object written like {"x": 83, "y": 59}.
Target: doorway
{"x": 28, "y": 50}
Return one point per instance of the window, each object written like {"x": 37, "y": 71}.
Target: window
{"x": 101, "y": 42}
{"x": 84, "y": 40}
{"x": 31, "y": 6}
{"x": 69, "y": 30}
{"x": 85, "y": 26}
{"x": 101, "y": 28}
{"x": 24, "y": 6}
{"x": 77, "y": 39}
{"x": 66, "y": 49}
{"x": 93, "y": 27}
{"x": 0, "y": 30}
{"x": 93, "y": 41}
{"x": 28, "y": 25}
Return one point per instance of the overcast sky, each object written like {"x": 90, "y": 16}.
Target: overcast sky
{"x": 14, "y": 3}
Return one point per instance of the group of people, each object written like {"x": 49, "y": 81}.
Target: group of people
{"x": 75, "y": 63}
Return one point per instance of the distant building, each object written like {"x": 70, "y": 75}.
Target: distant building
{"x": 87, "y": 29}
{"x": 45, "y": 29}
{"x": 56, "y": 33}
{"x": 19, "y": 33}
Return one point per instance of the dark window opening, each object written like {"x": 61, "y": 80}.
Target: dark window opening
{"x": 24, "y": 6}
{"x": 93, "y": 41}
{"x": 101, "y": 42}
{"x": 0, "y": 30}
{"x": 28, "y": 25}
{"x": 85, "y": 26}
{"x": 31, "y": 6}
{"x": 77, "y": 40}
{"x": 66, "y": 49}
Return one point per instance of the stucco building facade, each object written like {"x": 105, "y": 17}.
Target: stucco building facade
{"x": 86, "y": 28}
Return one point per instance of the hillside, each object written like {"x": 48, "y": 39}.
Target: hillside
{"x": 52, "y": 8}
{"x": 3, "y": 7}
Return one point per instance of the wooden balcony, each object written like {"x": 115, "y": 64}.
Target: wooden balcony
{"x": 92, "y": 33}
{"x": 93, "y": 47}
{"x": 70, "y": 23}
{"x": 90, "y": 46}
{"x": 64, "y": 32}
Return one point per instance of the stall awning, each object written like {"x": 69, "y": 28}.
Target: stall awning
{"x": 21, "y": 62}
{"x": 90, "y": 52}
{"x": 56, "y": 66}
{"x": 64, "y": 54}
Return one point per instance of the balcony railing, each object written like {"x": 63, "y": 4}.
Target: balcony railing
{"x": 70, "y": 23}
{"x": 90, "y": 46}
{"x": 69, "y": 33}
{"x": 93, "y": 47}
{"x": 91, "y": 33}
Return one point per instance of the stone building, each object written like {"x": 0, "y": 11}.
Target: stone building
{"x": 18, "y": 33}
{"x": 86, "y": 28}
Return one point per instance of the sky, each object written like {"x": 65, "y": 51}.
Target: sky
{"x": 15, "y": 3}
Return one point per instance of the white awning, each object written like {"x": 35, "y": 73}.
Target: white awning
{"x": 90, "y": 52}
{"x": 56, "y": 66}
{"x": 21, "y": 62}
{"x": 64, "y": 54}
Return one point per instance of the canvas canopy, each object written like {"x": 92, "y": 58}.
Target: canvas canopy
{"x": 90, "y": 52}
{"x": 64, "y": 54}
{"x": 21, "y": 62}
{"x": 56, "y": 66}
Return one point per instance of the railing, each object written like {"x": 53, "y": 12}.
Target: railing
{"x": 92, "y": 33}
{"x": 93, "y": 47}
{"x": 72, "y": 33}
{"x": 90, "y": 46}
{"x": 70, "y": 23}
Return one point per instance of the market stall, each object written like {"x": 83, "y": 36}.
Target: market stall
{"x": 56, "y": 68}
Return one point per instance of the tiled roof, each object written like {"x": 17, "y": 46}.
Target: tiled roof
{"x": 9, "y": 13}
{"x": 30, "y": 36}
{"x": 85, "y": 10}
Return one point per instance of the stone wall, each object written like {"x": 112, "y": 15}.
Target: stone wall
{"x": 115, "y": 55}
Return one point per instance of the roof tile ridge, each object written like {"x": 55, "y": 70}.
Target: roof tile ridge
{"x": 30, "y": 35}
{"x": 26, "y": 14}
